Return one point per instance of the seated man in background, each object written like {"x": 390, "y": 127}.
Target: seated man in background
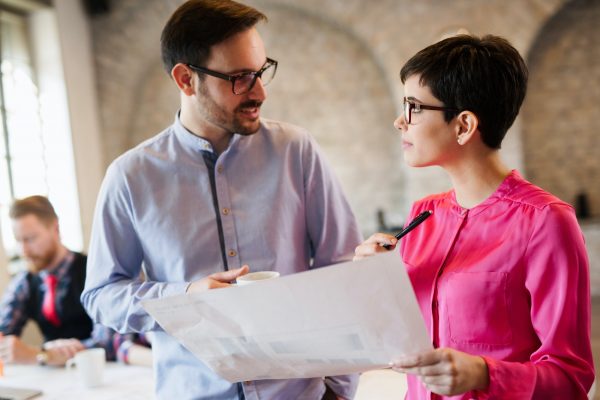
{"x": 48, "y": 293}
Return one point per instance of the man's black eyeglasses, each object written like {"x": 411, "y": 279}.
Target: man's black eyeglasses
{"x": 243, "y": 82}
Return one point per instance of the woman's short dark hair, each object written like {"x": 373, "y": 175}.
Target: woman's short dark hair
{"x": 486, "y": 76}
{"x": 197, "y": 25}
{"x": 39, "y": 206}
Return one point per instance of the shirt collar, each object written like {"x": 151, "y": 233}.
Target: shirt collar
{"x": 195, "y": 142}
{"x": 505, "y": 187}
{"x": 188, "y": 138}
{"x": 61, "y": 269}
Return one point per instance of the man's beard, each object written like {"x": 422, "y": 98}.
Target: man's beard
{"x": 232, "y": 123}
{"x": 246, "y": 130}
{"x": 39, "y": 263}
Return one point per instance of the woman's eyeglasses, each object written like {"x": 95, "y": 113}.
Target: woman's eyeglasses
{"x": 411, "y": 107}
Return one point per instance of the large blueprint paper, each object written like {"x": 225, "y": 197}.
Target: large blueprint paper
{"x": 346, "y": 318}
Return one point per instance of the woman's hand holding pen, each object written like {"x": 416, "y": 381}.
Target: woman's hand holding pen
{"x": 217, "y": 280}
{"x": 381, "y": 242}
{"x": 374, "y": 245}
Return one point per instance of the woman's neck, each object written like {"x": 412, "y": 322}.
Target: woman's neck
{"x": 475, "y": 178}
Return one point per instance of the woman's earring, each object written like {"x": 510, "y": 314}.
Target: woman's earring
{"x": 459, "y": 140}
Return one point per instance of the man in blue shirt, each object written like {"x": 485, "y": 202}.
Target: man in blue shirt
{"x": 218, "y": 193}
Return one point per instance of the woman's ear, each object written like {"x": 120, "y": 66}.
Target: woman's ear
{"x": 183, "y": 77}
{"x": 467, "y": 126}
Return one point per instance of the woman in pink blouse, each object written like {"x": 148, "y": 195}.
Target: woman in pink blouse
{"x": 500, "y": 269}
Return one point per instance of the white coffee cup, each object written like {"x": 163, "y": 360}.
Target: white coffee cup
{"x": 254, "y": 277}
{"x": 90, "y": 365}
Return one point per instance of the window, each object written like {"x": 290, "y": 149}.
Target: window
{"x": 35, "y": 148}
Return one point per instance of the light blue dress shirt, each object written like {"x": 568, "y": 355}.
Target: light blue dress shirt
{"x": 280, "y": 208}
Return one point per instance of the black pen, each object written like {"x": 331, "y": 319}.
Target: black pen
{"x": 413, "y": 224}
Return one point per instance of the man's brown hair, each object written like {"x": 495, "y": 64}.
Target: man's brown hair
{"x": 39, "y": 206}
{"x": 197, "y": 25}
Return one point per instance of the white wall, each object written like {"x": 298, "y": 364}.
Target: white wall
{"x": 77, "y": 60}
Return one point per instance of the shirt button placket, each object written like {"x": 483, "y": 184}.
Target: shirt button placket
{"x": 226, "y": 214}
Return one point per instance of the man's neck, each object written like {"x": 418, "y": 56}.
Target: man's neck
{"x": 60, "y": 255}
{"x": 216, "y": 136}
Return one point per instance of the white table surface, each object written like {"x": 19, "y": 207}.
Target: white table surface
{"x": 120, "y": 382}
{"x": 133, "y": 383}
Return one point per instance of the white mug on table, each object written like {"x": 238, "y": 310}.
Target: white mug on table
{"x": 90, "y": 365}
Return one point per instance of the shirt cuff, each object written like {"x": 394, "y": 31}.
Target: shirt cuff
{"x": 123, "y": 351}
{"x": 508, "y": 380}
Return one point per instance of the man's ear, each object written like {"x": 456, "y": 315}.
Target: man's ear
{"x": 183, "y": 77}
{"x": 54, "y": 226}
{"x": 467, "y": 126}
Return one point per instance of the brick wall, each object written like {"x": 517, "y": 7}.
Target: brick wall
{"x": 560, "y": 114}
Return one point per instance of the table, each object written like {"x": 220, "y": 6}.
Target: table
{"x": 120, "y": 382}
{"x": 137, "y": 383}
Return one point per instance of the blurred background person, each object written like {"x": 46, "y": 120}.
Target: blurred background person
{"x": 48, "y": 293}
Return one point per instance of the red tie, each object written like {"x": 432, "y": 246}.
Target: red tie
{"x": 49, "y": 304}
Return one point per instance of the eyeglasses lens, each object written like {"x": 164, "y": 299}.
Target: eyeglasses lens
{"x": 245, "y": 83}
{"x": 407, "y": 111}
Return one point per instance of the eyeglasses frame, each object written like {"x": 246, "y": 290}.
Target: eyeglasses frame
{"x": 232, "y": 78}
{"x": 414, "y": 105}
